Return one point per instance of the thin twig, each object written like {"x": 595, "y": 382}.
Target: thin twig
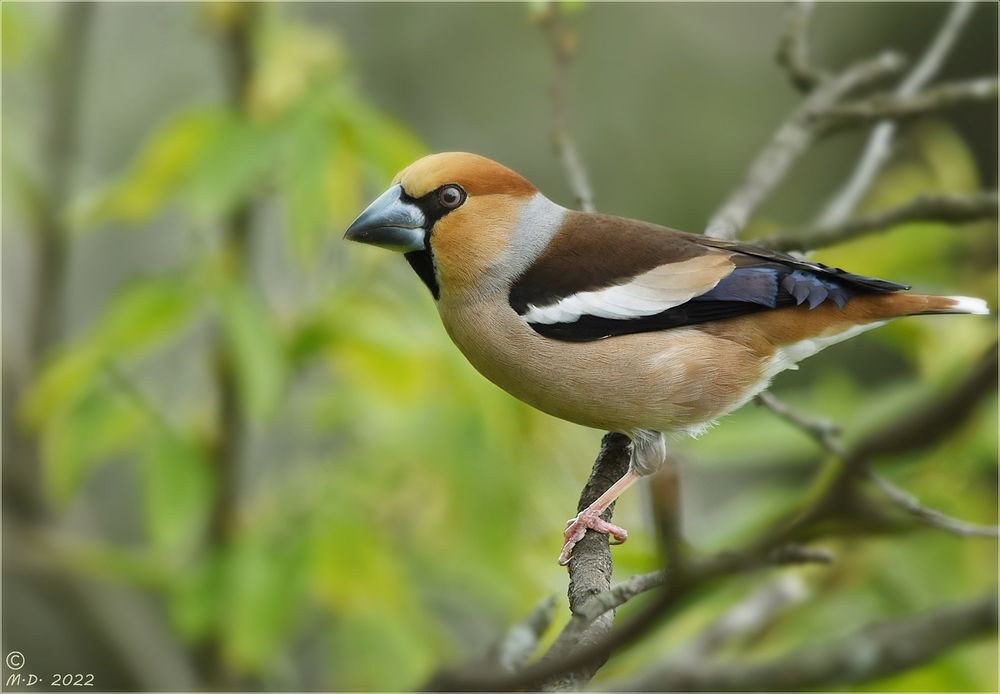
{"x": 909, "y": 503}
{"x": 46, "y": 200}
{"x": 790, "y": 142}
{"x": 952, "y": 209}
{"x": 895, "y": 106}
{"x": 825, "y": 432}
{"x": 874, "y": 651}
{"x": 60, "y": 143}
{"x": 563, "y": 44}
{"x": 726, "y": 563}
{"x": 919, "y": 427}
{"x": 879, "y": 145}
{"x": 236, "y": 44}
{"x": 131, "y": 390}
{"x": 793, "y": 47}
{"x": 521, "y": 640}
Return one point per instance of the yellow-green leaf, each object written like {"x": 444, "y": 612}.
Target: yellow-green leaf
{"x": 177, "y": 489}
{"x": 166, "y": 160}
{"x": 140, "y": 316}
{"x": 255, "y": 349}
{"x": 102, "y": 424}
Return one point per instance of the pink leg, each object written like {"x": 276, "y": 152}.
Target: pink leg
{"x": 590, "y": 518}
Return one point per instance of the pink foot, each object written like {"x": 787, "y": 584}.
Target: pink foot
{"x": 577, "y": 527}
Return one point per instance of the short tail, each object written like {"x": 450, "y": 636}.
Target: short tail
{"x": 925, "y": 304}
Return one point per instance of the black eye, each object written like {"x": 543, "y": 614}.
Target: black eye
{"x": 451, "y": 197}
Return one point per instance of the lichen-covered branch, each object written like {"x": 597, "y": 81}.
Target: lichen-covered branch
{"x": 590, "y": 568}
{"x": 727, "y": 563}
{"x": 951, "y": 209}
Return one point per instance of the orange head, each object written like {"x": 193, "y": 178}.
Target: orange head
{"x": 452, "y": 214}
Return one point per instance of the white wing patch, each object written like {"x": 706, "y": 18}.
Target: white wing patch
{"x": 647, "y": 294}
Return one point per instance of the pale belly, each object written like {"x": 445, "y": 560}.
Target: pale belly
{"x": 676, "y": 380}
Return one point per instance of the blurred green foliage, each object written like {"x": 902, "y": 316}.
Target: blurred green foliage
{"x": 395, "y": 510}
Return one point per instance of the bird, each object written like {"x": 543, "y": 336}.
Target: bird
{"x": 614, "y": 323}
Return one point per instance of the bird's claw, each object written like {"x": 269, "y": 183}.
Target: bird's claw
{"x": 577, "y": 527}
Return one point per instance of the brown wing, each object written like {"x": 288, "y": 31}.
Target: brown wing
{"x": 603, "y": 276}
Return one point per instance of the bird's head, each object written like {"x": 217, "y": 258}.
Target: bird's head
{"x": 451, "y": 214}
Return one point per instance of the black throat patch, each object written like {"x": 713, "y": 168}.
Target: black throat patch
{"x": 422, "y": 263}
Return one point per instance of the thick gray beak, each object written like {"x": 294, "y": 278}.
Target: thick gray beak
{"x": 390, "y": 222}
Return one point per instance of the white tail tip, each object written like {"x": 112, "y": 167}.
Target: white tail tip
{"x": 969, "y": 304}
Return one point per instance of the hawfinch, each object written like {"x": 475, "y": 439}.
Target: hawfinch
{"x": 614, "y": 323}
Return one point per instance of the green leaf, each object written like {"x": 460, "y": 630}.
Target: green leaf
{"x": 19, "y": 35}
{"x": 101, "y": 424}
{"x": 165, "y": 162}
{"x": 254, "y": 348}
{"x": 198, "y": 596}
{"x": 343, "y": 185}
{"x": 265, "y": 583}
{"x": 295, "y": 61}
{"x": 144, "y": 312}
{"x": 177, "y": 490}
{"x": 140, "y": 316}
{"x": 303, "y": 182}
{"x": 384, "y": 144}
{"x": 231, "y": 166}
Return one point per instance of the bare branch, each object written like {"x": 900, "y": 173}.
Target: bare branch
{"x": 879, "y": 145}
{"x": 874, "y": 651}
{"x": 563, "y": 45}
{"x": 827, "y": 433}
{"x": 930, "y": 516}
{"x": 521, "y": 640}
{"x": 700, "y": 574}
{"x": 953, "y": 209}
{"x": 790, "y": 142}
{"x": 895, "y": 106}
{"x": 920, "y": 427}
{"x": 236, "y": 44}
{"x": 793, "y": 47}
{"x": 590, "y": 568}
{"x": 727, "y": 563}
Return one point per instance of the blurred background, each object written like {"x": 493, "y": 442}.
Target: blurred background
{"x": 238, "y": 452}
